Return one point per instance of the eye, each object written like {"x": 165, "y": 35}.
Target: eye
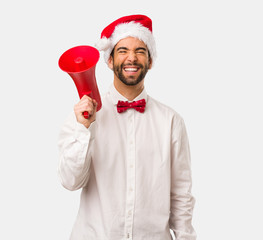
{"x": 141, "y": 52}
{"x": 122, "y": 51}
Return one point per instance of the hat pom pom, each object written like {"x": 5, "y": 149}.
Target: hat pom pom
{"x": 103, "y": 44}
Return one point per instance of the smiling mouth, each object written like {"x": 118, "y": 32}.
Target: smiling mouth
{"x": 131, "y": 69}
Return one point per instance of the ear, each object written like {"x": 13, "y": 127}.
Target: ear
{"x": 110, "y": 62}
{"x": 150, "y": 63}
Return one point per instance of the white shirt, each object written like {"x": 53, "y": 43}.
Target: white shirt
{"x": 134, "y": 171}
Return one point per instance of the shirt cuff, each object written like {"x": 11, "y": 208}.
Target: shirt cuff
{"x": 81, "y": 132}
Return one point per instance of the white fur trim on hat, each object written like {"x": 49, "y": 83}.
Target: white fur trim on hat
{"x": 103, "y": 44}
{"x": 123, "y": 30}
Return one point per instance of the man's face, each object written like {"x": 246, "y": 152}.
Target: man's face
{"x": 130, "y": 61}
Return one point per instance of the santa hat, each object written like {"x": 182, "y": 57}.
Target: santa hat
{"x": 138, "y": 26}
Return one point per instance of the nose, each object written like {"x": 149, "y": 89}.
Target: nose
{"x": 132, "y": 57}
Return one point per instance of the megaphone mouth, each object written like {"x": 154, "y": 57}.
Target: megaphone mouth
{"x": 79, "y": 59}
{"x": 80, "y": 63}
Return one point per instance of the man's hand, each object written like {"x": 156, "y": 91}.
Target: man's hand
{"x": 86, "y": 104}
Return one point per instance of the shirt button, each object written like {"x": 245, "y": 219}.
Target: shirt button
{"x": 131, "y": 166}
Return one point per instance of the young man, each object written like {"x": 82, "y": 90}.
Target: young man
{"x": 131, "y": 158}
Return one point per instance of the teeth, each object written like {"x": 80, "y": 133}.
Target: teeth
{"x": 131, "y": 69}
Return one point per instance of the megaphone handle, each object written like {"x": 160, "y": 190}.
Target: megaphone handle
{"x": 86, "y": 114}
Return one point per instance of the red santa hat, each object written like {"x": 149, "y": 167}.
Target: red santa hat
{"x": 139, "y": 26}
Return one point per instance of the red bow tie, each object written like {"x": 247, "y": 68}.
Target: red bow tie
{"x": 122, "y": 106}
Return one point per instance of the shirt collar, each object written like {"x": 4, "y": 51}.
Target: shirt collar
{"x": 116, "y": 96}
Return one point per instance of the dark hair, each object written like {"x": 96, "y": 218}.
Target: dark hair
{"x": 112, "y": 52}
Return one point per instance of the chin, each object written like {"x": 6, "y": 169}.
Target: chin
{"x": 132, "y": 82}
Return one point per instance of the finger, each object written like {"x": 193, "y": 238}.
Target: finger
{"x": 85, "y": 106}
{"x": 95, "y": 104}
{"x": 85, "y": 97}
{"x": 80, "y": 111}
{"x": 84, "y": 102}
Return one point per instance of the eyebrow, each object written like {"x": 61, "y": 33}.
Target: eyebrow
{"x": 141, "y": 48}
{"x": 122, "y": 48}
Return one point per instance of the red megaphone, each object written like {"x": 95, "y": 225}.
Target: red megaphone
{"x": 80, "y": 63}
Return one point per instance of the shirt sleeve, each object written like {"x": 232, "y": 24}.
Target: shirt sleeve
{"x": 75, "y": 146}
{"x": 182, "y": 201}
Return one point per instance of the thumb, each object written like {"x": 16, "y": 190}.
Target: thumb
{"x": 95, "y": 104}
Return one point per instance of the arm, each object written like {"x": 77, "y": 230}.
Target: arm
{"x": 182, "y": 201}
{"x": 75, "y": 145}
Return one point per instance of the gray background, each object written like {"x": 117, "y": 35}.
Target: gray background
{"x": 209, "y": 69}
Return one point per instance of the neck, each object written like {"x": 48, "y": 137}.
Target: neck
{"x": 129, "y": 92}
